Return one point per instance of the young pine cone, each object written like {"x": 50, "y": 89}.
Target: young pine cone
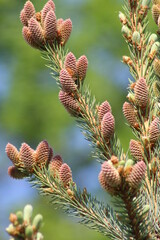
{"x": 103, "y": 109}
{"x": 141, "y": 93}
{"x": 108, "y": 125}
{"x": 111, "y": 174}
{"x": 137, "y": 174}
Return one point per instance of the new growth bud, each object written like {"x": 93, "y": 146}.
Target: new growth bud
{"x": 155, "y": 48}
{"x": 122, "y": 18}
{"x": 136, "y": 37}
{"x": 129, "y": 163}
{"x": 127, "y": 60}
{"x": 146, "y": 209}
{"x": 29, "y": 231}
{"x": 128, "y": 167}
{"x": 10, "y": 229}
{"x": 125, "y": 31}
{"x": 37, "y": 221}
{"x": 19, "y": 215}
{"x": 153, "y": 38}
{"x": 27, "y": 213}
{"x": 22, "y": 227}
{"x": 39, "y": 236}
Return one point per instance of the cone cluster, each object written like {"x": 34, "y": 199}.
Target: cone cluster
{"x": 23, "y": 227}
{"x": 74, "y": 72}
{"x": 71, "y": 77}
{"x": 116, "y": 174}
{"x": 43, "y": 28}
{"x": 61, "y": 170}
{"x": 27, "y": 159}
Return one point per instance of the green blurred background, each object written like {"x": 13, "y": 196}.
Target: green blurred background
{"x": 30, "y": 110}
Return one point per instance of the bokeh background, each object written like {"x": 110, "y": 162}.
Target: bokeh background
{"x": 30, "y": 110}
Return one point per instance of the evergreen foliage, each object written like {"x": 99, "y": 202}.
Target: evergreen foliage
{"x": 132, "y": 181}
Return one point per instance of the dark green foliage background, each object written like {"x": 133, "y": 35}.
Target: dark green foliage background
{"x": 31, "y": 112}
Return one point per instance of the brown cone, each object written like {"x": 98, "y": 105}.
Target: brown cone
{"x": 65, "y": 174}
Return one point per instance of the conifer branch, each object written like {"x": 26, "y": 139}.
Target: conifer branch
{"x": 88, "y": 108}
{"x": 143, "y": 48}
{"x": 53, "y": 178}
{"x": 132, "y": 212}
{"x": 54, "y": 56}
{"x": 134, "y": 183}
{"x": 79, "y": 204}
